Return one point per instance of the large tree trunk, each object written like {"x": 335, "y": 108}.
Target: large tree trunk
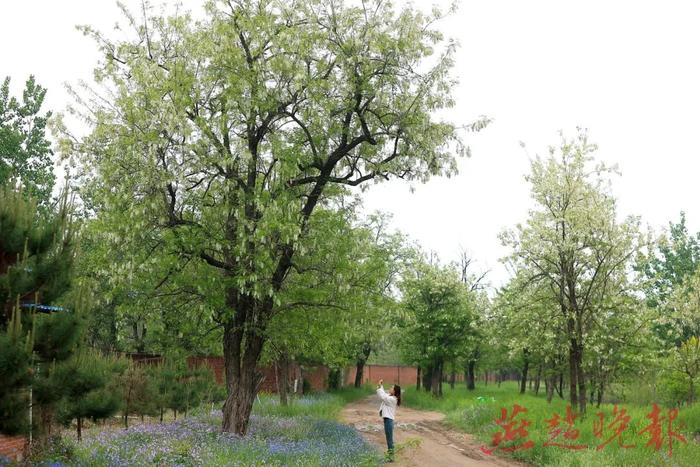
{"x": 335, "y": 379}
{"x": 573, "y": 373}
{"x": 427, "y": 378}
{"x": 550, "y": 385}
{"x": 361, "y": 360}
{"x": 283, "y": 378}
{"x": 581, "y": 381}
{"x": 359, "y": 373}
{"x": 242, "y": 349}
{"x": 436, "y": 378}
{"x": 537, "y": 379}
{"x": 418, "y": 371}
{"x": 470, "y": 375}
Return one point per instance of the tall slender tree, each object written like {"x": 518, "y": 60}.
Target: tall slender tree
{"x": 574, "y": 246}
{"x": 25, "y": 153}
{"x": 438, "y": 319}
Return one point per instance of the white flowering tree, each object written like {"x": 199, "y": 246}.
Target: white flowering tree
{"x": 574, "y": 247}
{"x": 214, "y": 142}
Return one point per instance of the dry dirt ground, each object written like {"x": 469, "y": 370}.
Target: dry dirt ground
{"x": 420, "y": 436}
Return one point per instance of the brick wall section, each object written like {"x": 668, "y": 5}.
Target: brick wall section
{"x": 13, "y": 447}
{"x": 391, "y": 374}
{"x": 317, "y": 376}
{"x": 215, "y": 363}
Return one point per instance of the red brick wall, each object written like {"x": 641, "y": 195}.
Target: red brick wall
{"x": 317, "y": 376}
{"x": 13, "y": 447}
{"x": 391, "y": 374}
{"x": 215, "y": 363}
{"x": 270, "y": 382}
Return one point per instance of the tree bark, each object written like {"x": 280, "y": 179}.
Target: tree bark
{"x": 359, "y": 373}
{"x": 283, "y": 379}
{"x": 418, "y": 371}
{"x": 550, "y": 385}
{"x": 573, "y": 373}
{"x": 470, "y": 375}
{"x": 335, "y": 376}
{"x": 243, "y": 344}
{"x": 537, "y": 379}
{"x": 453, "y": 378}
{"x": 435, "y": 377}
{"x": 361, "y": 360}
{"x": 427, "y": 379}
{"x": 526, "y": 366}
{"x": 581, "y": 381}
{"x": 80, "y": 428}
{"x": 560, "y": 390}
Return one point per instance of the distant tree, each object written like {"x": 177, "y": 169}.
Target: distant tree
{"x": 138, "y": 392}
{"x": 190, "y": 389}
{"x": 668, "y": 272}
{"x": 573, "y": 248}
{"x": 337, "y": 303}
{"x": 675, "y": 257}
{"x": 84, "y": 382}
{"x": 164, "y": 377}
{"x": 25, "y": 153}
{"x": 686, "y": 361}
{"x": 438, "y": 316}
{"x": 473, "y": 349}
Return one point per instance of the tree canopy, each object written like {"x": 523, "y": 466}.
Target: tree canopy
{"x": 215, "y": 141}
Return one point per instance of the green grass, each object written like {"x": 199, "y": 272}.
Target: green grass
{"x": 466, "y": 413}
{"x": 322, "y": 405}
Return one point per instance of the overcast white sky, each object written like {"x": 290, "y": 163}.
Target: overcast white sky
{"x": 626, "y": 70}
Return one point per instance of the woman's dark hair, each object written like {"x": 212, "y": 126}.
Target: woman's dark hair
{"x": 397, "y": 394}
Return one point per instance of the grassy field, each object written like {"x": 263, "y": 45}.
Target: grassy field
{"x": 304, "y": 433}
{"x": 476, "y": 411}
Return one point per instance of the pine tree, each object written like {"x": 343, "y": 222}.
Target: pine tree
{"x": 84, "y": 381}
{"x": 36, "y": 252}
{"x": 36, "y": 257}
{"x": 15, "y": 374}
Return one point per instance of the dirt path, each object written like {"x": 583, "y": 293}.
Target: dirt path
{"x": 426, "y": 441}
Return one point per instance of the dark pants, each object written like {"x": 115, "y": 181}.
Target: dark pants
{"x": 389, "y": 432}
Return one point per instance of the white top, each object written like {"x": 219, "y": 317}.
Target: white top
{"x": 389, "y": 403}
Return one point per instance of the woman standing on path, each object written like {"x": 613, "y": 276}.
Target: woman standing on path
{"x": 390, "y": 400}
